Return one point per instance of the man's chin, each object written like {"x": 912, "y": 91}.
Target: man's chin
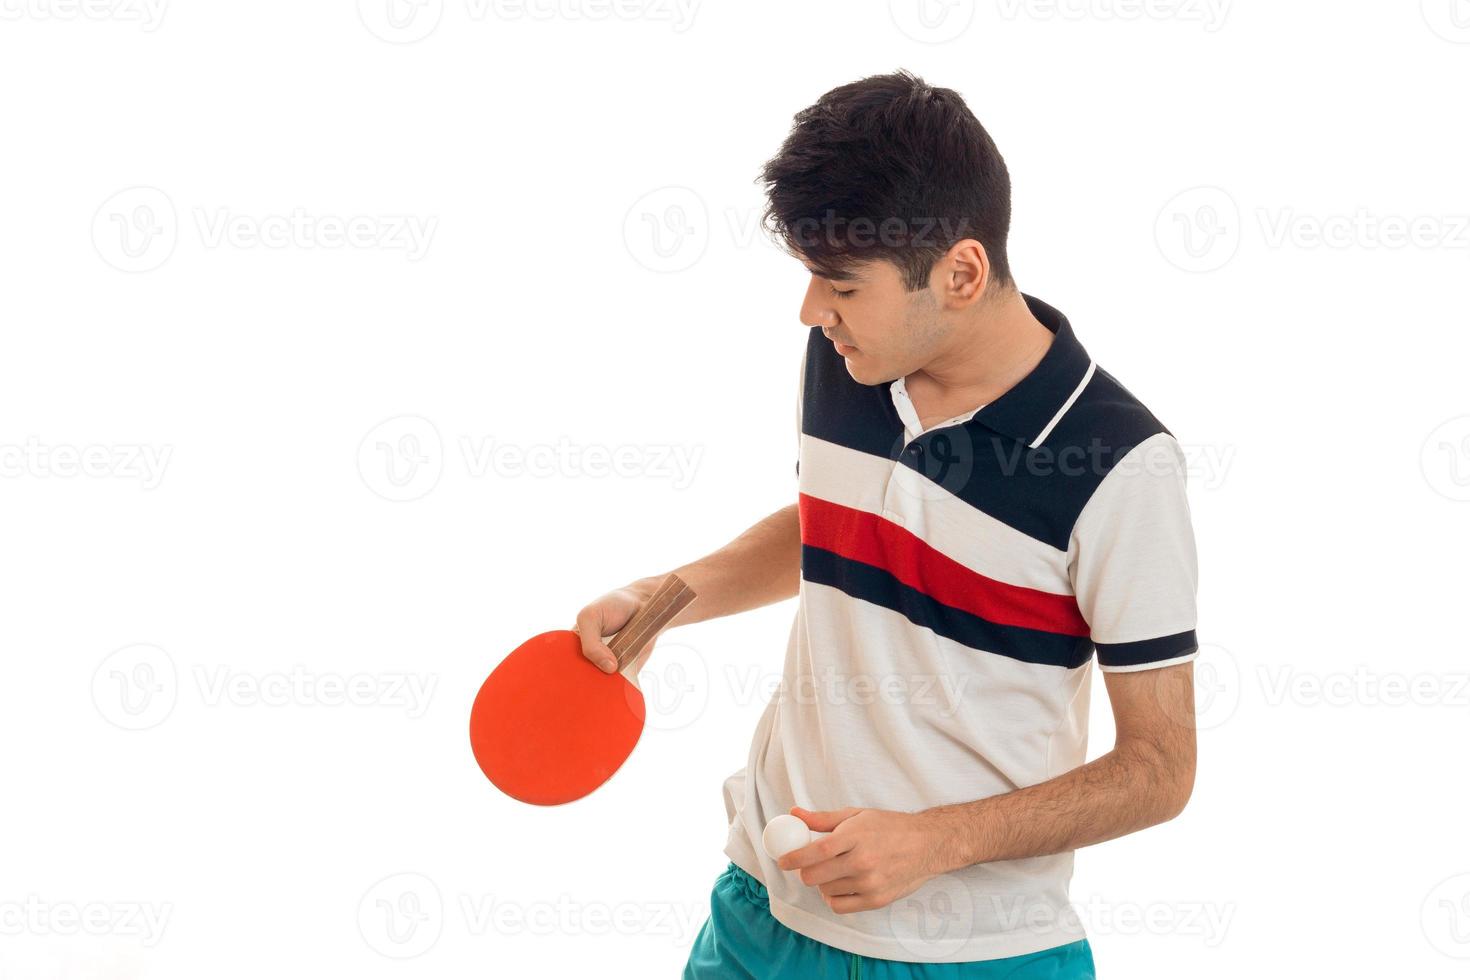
{"x": 865, "y": 374}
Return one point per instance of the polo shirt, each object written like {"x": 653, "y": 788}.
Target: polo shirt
{"x": 956, "y": 584}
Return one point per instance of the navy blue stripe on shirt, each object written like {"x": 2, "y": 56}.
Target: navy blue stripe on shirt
{"x": 877, "y": 586}
{"x": 1147, "y": 651}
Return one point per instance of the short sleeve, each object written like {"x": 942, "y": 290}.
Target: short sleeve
{"x": 1133, "y": 563}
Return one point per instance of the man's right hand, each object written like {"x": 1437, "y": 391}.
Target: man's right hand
{"x": 605, "y": 616}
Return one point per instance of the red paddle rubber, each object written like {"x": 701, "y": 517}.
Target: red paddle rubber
{"x": 548, "y": 726}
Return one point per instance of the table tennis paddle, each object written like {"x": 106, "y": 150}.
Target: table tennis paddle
{"x": 548, "y": 726}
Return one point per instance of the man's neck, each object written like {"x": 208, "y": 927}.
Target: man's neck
{"x": 1001, "y": 345}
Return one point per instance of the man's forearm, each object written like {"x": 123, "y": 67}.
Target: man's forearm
{"x": 1123, "y": 791}
{"x": 761, "y": 566}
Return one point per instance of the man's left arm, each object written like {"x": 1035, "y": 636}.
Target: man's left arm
{"x": 1134, "y": 570}
{"x": 879, "y": 856}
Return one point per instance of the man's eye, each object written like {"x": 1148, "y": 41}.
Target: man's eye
{"x": 840, "y": 292}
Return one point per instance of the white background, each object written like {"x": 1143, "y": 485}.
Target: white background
{"x": 1216, "y": 195}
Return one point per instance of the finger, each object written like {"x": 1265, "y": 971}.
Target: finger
{"x": 844, "y": 904}
{"x": 816, "y": 852}
{"x": 824, "y": 821}
{"x": 840, "y": 886}
{"x": 826, "y": 872}
{"x": 589, "y": 630}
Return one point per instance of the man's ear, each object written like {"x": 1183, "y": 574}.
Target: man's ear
{"x": 961, "y": 276}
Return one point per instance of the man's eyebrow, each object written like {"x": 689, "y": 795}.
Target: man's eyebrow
{"x": 836, "y": 275}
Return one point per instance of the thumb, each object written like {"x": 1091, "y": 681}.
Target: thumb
{"x": 824, "y": 821}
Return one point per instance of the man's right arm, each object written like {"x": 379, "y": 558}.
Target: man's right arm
{"x": 761, "y": 566}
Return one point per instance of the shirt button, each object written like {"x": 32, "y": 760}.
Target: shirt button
{"x": 916, "y": 450}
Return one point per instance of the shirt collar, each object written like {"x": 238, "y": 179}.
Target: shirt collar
{"x": 1032, "y": 407}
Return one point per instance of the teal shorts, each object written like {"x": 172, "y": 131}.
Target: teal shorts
{"x": 741, "y": 939}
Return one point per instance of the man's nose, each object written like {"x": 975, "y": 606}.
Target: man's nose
{"x": 815, "y": 310}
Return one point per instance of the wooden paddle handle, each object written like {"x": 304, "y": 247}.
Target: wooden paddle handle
{"x": 667, "y": 601}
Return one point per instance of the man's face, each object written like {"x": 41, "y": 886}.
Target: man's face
{"x": 883, "y": 331}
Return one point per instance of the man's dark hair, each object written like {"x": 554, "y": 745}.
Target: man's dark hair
{"x": 888, "y": 167}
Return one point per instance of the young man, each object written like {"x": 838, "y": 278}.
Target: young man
{"x": 981, "y": 510}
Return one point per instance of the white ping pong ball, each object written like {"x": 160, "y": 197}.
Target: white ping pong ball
{"x": 785, "y": 834}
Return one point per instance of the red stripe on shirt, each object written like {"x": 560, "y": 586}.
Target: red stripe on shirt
{"x": 872, "y": 540}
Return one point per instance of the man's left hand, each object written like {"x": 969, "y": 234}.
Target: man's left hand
{"x": 869, "y": 859}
